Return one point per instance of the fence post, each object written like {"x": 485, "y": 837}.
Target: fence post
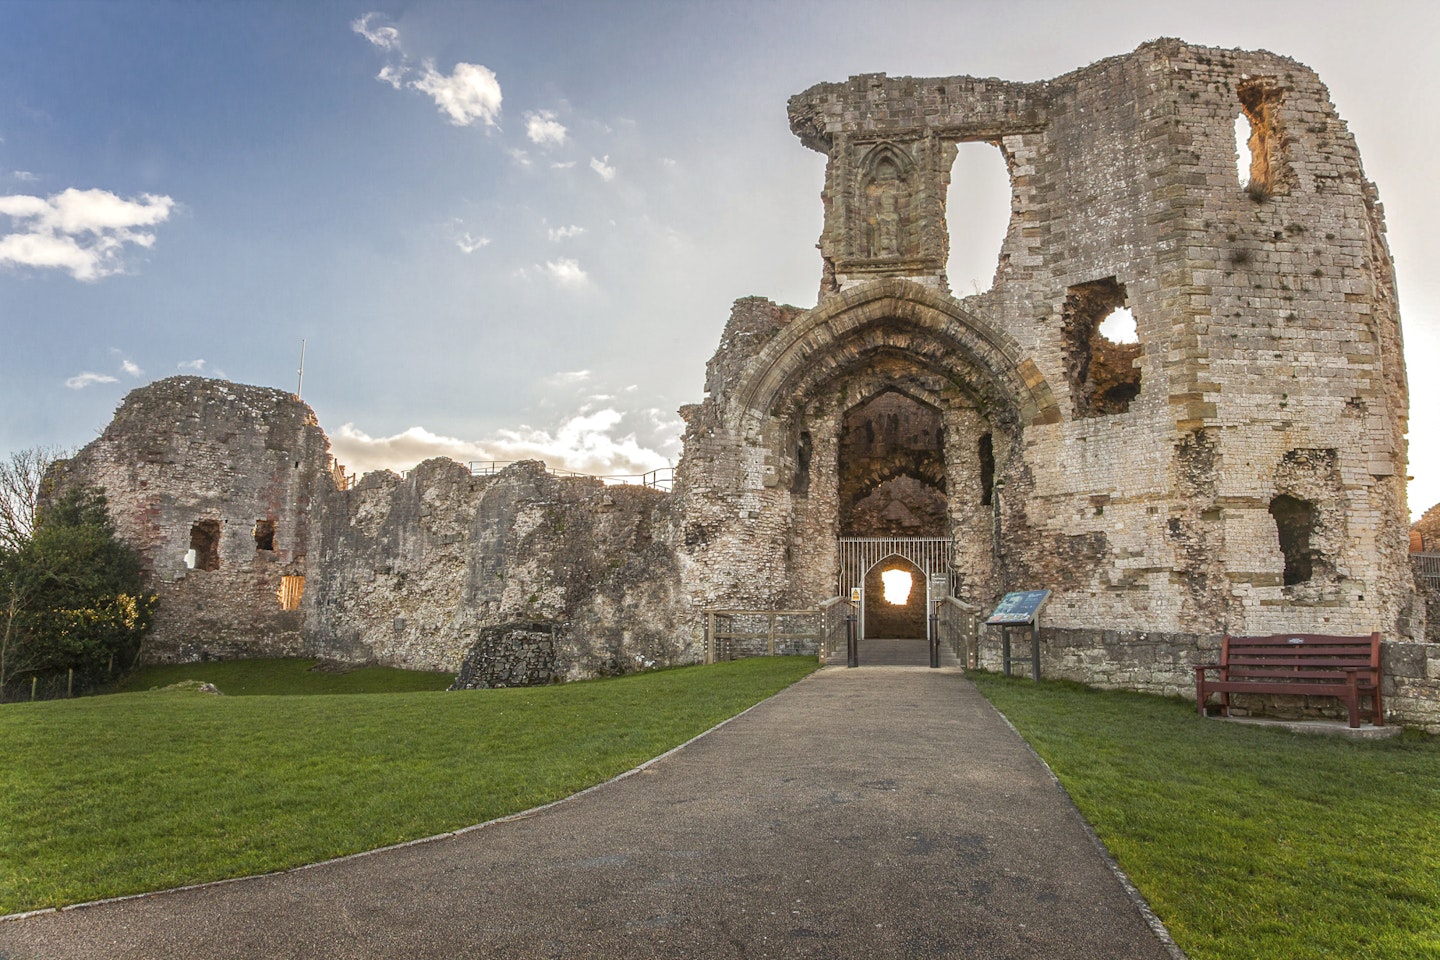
{"x": 33, "y": 681}
{"x": 770, "y": 637}
{"x": 70, "y": 683}
{"x": 934, "y": 641}
{"x": 852, "y": 642}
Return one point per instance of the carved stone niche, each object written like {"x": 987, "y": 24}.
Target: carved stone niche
{"x": 888, "y": 198}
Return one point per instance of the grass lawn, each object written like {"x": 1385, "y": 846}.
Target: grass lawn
{"x": 102, "y": 796}
{"x": 248, "y": 678}
{"x": 1247, "y": 842}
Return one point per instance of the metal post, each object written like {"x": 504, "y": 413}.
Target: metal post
{"x": 934, "y": 641}
{"x": 1005, "y": 649}
{"x": 852, "y": 642}
{"x": 1035, "y": 649}
{"x": 710, "y": 636}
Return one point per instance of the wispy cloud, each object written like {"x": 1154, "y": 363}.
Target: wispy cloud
{"x": 469, "y": 244}
{"x": 543, "y": 129}
{"x": 564, "y": 233}
{"x": 25, "y": 176}
{"x": 382, "y": 35}
{"x": 566, "y": 378}
{"x": 469, "y": 93}
{"x": 566, "y": 272}
{"x": 194, "y": 366}
{"x": 82, "y": 231}
{"x": 566, "y": 165}
{"x": 602, "y": 167}
{"x": 88, "y": 379}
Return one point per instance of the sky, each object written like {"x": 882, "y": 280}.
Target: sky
{"x": 514, "y": 229}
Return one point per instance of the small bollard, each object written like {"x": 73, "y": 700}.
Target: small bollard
{"x": 934, "y": 641}
{"x": 852, "y": 643}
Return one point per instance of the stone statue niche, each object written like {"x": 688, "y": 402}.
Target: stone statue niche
{"x": 891, "y": 230}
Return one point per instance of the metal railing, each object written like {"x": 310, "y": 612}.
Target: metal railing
{"x": 661, "y": 478}
{"x": 959, "y": 625}
{"x": 735, "y": 634}
{"x": 1427, "y": 569}
{"x": 833, "y": 613}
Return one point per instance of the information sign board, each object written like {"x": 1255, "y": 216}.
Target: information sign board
{"x": 1019, "y": 607}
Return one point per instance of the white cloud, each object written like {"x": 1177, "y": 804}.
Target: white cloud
{"x": 602, "y": 167}
{"x": 542, "y": 128}
{"x": 583, "y": 442}
{"x": 132, "y": 368}
{"x": 82, "y": 231}
{"x": 471, "y": 92}
{"x": 24, "y": 175}
{"x": 519, "y": 156}
{"x": 382, "y": 35}
{"x": 562, "y": 166}
{"x": 566, "y": 272}
{"x": 87, "y": 379}
{"x": 566, "y": 378}
{"x": 470, "y": 244}
{"x": 196, "y": 366}
{"x": 565, "y": 233}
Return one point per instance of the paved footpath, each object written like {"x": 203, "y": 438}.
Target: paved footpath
{"x": 872, "y": 813}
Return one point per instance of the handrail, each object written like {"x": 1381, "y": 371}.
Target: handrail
{"x": 661, "y": 478}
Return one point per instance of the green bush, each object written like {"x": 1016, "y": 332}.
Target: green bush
{"x": 71, "y": 597}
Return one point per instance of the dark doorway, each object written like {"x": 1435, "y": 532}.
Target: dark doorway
{"x": 892, "y": 469}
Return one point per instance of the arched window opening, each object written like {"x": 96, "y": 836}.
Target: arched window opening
{"x": 977, "y": 217}
{"x": 1294, "y": 523}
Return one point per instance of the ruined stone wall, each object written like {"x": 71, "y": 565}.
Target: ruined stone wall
{"x": 400, "y": 571}
{"x": 187, "y": 451}
{"x": 416, "y": 568}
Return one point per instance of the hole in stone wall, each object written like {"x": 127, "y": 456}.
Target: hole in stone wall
{"x": 987, "y": 468}
{"x": 264, "y": 533}
{"x": 205, "y": 545}
{"x": 1102, "y": 372}
{"x": 977, "y": 216}
{"x": 292, "y": 588}
{"x": 1265, "y": 145}
{"x": 1294, "y": 522}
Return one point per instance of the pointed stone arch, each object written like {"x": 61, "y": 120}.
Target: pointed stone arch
{"x": 898, "y": 317}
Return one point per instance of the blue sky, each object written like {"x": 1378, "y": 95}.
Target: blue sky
{"x": 514, "y": 229}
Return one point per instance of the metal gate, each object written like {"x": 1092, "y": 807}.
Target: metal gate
{"x": 933, "y": 555}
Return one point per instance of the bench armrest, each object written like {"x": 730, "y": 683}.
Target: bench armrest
{"x": 1207, "y": 666}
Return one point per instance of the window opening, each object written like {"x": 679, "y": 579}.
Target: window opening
{"x": 204, "y": 546}
{"x": 1101, "y": 369}
{"x": 264, "y": 533}
{"x": 1265, "y": 144}
{"x": 803, "y": 452}
{"x": 987, "y": 468}
{"x": 977, "y": 216}
{"x": 1294, "y": 522}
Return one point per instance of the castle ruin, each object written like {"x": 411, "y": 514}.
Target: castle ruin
{"x": 1239, "y": 467}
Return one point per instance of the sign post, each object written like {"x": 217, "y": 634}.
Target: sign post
{"x": 1018, "y": 610}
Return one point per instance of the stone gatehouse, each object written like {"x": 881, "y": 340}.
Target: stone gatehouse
{"x": 1239, "y": 466}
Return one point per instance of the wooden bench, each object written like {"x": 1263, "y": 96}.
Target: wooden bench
{"x": 1297, "y": 663}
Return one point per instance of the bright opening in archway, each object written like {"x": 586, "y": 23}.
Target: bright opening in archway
{"x": 977, "y": 216}
{"x": 1243, "y": 157}
{"x": 897, "y": 586}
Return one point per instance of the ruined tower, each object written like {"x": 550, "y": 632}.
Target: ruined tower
{"x": 1240, "y": 467}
